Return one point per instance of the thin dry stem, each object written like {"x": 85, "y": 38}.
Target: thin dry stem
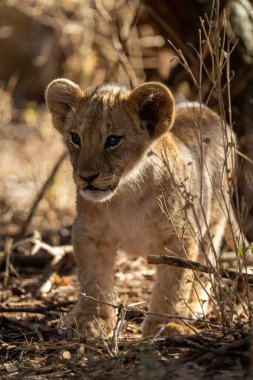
{"x": 194, "y": 265}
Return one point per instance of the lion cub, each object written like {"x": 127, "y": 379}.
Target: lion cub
{"x": 142, "y": 186}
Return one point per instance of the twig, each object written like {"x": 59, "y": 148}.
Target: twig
{"x": 42, "y": 192}
{"x": 60, "y": 255}
{"x": 36, "y": 256}
{"x": 38, "y": 244}
{"x": 103, "y": 336}
{"x": 8, "y": 250}
{"x": 128, "y": 69}
{"x": 194, "y": 265}
{"x": 63, "y": 253}
{"x": 244, "y": 156}
{"x": 102, "y": 11}
{"x": 36, "y": 310}
{"x": 120, "y": 45}
{"x": 170, "y": 32}
{"x": 134, "y": 309}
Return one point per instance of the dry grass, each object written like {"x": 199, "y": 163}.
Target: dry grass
{"x": 107, "y": 46}
{"x": 217, "y": 46}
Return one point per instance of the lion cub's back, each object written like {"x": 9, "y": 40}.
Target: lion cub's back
{"x": 193, "y": 126}
{"x": 191, "y": 119}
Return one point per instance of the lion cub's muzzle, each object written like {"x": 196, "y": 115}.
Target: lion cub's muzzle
{"x": 93, "y": 188}
{"x": 90, "y": 178}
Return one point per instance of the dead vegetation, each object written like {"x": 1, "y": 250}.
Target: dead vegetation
{"x": 126, "y": 42}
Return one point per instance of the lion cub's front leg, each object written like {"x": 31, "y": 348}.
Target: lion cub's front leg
{"x": 95, "y": 264}
{"x": 170, "y": 296}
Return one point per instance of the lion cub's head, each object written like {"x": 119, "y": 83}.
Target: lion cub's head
{"x": 108, "y": 130}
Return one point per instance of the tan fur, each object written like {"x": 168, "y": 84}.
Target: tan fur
{"x": 152, "y": 196}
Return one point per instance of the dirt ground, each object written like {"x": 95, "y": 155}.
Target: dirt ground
{"x": 31, "y": 345}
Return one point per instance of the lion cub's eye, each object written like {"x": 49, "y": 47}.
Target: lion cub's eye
{"x": 112, "y": 141}
{"x": 75, "y": 138}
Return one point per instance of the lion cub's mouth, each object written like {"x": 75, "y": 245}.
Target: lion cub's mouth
{"x": 96, "y": 194}
{"x": 93, "y": 188}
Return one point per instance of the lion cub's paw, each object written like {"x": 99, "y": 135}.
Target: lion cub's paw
{"x": 76, "y": 324}
{"x": 153, "y": 327}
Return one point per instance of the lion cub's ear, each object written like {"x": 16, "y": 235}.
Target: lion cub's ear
{"x": 62, "y": 95}
{"x": 155, "y": 107}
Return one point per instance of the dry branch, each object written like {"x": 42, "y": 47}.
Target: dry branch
{"x": 38, "y": 309}
{"x": 194, "y": 265}
{"x": 42, "y": 192}
{"x": 8, "y": 247}
{"x": 57, "y": 251}
{"x": 62, "y": 256}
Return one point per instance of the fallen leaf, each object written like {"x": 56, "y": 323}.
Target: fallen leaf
{"x": 10, "y": 367}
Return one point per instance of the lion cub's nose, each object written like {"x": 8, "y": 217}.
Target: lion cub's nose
{"x": 89, "y": 178}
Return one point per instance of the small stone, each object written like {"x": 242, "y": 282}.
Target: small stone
{"x": 66, "y": 355}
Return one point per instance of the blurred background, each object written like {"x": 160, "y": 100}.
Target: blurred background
{"x": 92, "y": 42}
